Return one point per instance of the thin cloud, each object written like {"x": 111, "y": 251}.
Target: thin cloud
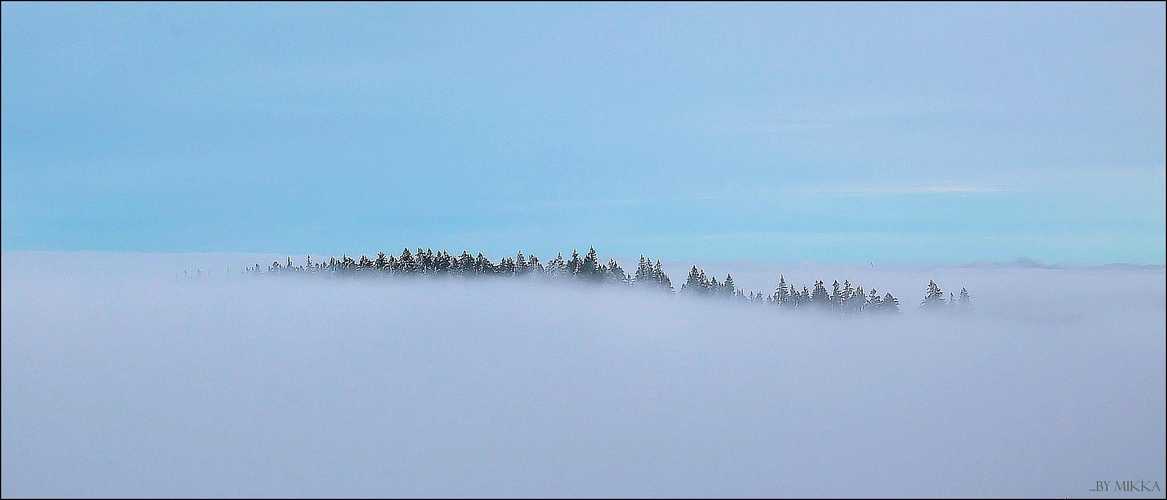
{"x": 121, "y": 380}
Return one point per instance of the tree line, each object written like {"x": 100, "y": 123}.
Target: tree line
{"x": 844, "y": 298}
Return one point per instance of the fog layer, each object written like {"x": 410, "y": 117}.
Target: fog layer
{"x": 122, "y": 378}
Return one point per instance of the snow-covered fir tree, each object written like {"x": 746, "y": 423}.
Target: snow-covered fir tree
{"x": 506, "y": 266}
{"x": 589, "y": 268}
{"x": 889, "y": 304}
{"x": 662, "y": 279}
{"x": 728, "y": 288}
{"x": 820, "y": 298}
{"x": 782, "y": 292}
{"x": 644, "y": 274}
{"x": 964, "y": 304}
{"x": 855, "y": 302}
{"x": 406, "y": 263}
{"x": 695, "y": 283}
{"x": 557, "y": 267}
{"x": 874, "y": 302}
{"x": 614, "y": 274}
{"x": 933, "y": 298}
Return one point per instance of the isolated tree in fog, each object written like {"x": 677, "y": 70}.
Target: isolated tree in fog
{"x": 933, "y": 298}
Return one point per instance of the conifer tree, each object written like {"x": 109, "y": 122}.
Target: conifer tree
{"x": 574, "y": 264}
{"x": 856, "y": 301}
{"x": 445, "y": 262}
{"x": 421, "y": 261}
{"x": 728, "y": 289}
{"x": 615, "y": 274}
{"x": 821, "y": 298}
{"x": 521, "y": 267}
{"x": 426, "y": 261}
{"x": 483, "y": 265}
{"x": 406, "y": 264}
{"x": 643, "y": 274}
{"x": 874, "y": 303}
{"x": 589, "y": 268}
{"x": 557, "y": 268}
{"x": 890, "y": 304}
{"x": 693, "y": 282}
{"x": 933, "y": 298}
{"x": 661, "y": 278}
{"x": 782, "y": 293}
{"x": 465, "y": 264}
{"x": 506, "y": 266}
{"x": 964, "y": 303}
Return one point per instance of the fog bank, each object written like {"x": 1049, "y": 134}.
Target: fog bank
{"x": 122, "y": 378}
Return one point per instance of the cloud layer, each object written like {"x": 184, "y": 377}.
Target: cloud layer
{"x": 129, "y": 381}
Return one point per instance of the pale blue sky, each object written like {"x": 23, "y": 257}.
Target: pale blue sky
{"x": 896, "y": 133}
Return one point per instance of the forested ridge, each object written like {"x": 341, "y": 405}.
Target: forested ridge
{"x": 845, "y": 298}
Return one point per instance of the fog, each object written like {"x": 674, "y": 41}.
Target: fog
{"x": 121, "y": 378}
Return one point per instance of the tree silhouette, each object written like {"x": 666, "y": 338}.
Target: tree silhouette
{"x": 845, "y": 299}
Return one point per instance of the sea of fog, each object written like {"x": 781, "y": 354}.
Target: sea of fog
{"x": 123, "y": 378}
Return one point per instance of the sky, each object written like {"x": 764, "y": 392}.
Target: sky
{"x": 905, "y": 133}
